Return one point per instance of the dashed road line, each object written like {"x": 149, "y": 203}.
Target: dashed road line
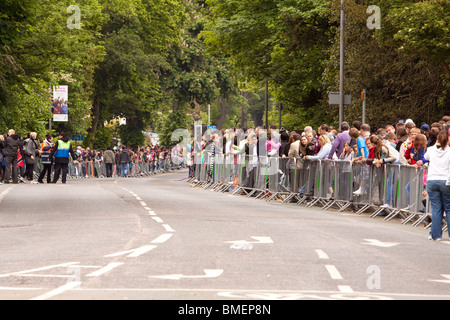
{"x": 158, "y": 219}
{"x": 163, "y": 238}
{"x": 322, "y": 254}
{"x": 333, "y": 271}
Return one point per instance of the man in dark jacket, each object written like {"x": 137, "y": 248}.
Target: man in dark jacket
{"x": 12, "y": 145}
{"x": 124, "y": 160}
{"x": 61, "y": 151}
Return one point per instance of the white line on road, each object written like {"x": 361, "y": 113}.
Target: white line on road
{"x": 322, "y": 254}
{"x": 105, "y": 269}
{"x": 38, "y": 269}
{"x": 334, "y": 273}
{"x": 4, "y": 193}
{"x": 345, "y": 289}
{"x": 158, "y": 219}
{"x": 68, "y": 286}
{"x": 163, "y": 238}
{"x": 133, "y": 253}
{"x": 168, "y": 228}
{"x": 143, "y": 203}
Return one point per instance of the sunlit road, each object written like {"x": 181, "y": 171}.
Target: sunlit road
{"x": 160, "y": 238}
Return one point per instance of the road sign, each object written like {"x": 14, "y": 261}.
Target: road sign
{"x": 77, "y": 137}
{"x": 333, "y": 98}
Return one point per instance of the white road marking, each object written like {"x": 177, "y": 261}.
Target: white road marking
{"x": 158, "y": 219}
{"x": 38, "y": 269}
{"x": 4, "y": 193}
{"x": 163, "y": 238}
{"x": 334, "y": 273}
{"x": 209, "y": 273}
{"x": 105, "y": 269}
{"x": 345, "y": 289}
{"x": 378, "y": 243}
{"x": 168, "y": 228}
{"x": 322, "y": 254}
{"x": 133, "y": 253}
{"x": 68, "y": 286}
{"x": 248, "y": 245}
{"x": 443, "y": 281}
{"x": 143, "y": 203}
{"x": 152, "y": 213}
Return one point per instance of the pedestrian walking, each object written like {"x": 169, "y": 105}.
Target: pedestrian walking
{"x": 438, "y": 184}
{"x": 124, "y": 161}
{"x": 62, "y": 150}
{"x": 46, "y": 150}
{"x": 12, "y": 145}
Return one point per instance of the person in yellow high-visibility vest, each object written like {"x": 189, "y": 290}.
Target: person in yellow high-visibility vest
{"x": 61, "y": 152}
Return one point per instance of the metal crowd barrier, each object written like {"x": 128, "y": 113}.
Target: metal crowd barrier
{"x": 324, "y": 183}
{"x": 97, "y": 169}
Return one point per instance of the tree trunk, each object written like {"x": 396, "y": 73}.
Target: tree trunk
{"x": 94, "y": 124}
{"x": 244, "y": 110}
{"x": 446, "y": 70}
{"x": 225, "y": 108}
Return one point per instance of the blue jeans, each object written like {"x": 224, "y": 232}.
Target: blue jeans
{"x": 123, "y": 169}
{"x": 439, "y": 195}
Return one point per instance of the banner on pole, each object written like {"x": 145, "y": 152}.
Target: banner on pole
{"x": 60, "y": 107}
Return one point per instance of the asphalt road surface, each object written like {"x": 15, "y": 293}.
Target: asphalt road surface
{"x": 160, "y": 238}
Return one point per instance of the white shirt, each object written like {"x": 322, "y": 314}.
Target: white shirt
{"x": 439, "y": 167}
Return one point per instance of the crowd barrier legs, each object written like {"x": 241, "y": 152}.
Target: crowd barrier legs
{"x": 391, "y": 190}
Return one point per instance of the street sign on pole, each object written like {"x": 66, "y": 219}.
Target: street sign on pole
{"x": 334, "y": 98}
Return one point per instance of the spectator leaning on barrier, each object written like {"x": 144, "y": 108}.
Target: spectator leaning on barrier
{"x": 409, "y": 143}
{"x": 62, "y": 151}
{"x": 438, "y": 184}
{"x": 340, "y": 140}
{"x": 325, "y": 147}
{"x": 46, "y": 150}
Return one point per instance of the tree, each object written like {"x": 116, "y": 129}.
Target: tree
{"x": 127, "y": 81}
{"x": 37, "y": 51}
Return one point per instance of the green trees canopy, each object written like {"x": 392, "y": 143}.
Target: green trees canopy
{"x": 160, "y": 64}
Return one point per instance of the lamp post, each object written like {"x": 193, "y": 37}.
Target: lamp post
{"x": 341, "y": 67}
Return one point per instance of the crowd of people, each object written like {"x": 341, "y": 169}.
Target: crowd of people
{"x": 403, "y": 143}
{"x": 19, "y": 158}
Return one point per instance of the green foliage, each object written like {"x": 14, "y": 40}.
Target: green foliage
{"x": 103, "y": 138}
{"x": 159, "y": 63}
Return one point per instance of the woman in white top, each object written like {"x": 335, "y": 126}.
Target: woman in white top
{"x": 438, "y": 186}
{"x": 325, "y": 148}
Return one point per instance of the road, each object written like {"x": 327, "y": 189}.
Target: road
{"x": 159, "y": 238}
